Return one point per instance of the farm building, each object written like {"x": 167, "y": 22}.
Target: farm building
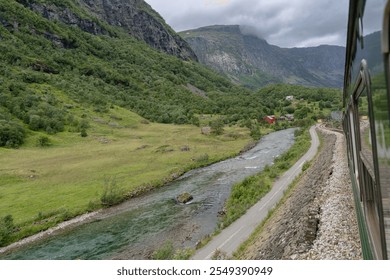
{"x": 270, "y": 119}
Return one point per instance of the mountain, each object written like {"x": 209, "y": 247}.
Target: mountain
{"x": 247, "y": 59}
{"x": 62, "y": 60}
{"x": 97, "y": 16}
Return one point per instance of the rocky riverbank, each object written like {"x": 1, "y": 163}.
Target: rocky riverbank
{"x": 318, "y": 219}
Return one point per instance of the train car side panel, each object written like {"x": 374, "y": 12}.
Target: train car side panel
{"x": 366, "y": 121}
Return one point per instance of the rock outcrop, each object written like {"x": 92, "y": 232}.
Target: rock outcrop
{"x": 102, "y": 17}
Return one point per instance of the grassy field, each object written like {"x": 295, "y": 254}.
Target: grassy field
{"x": 41, "y": 186}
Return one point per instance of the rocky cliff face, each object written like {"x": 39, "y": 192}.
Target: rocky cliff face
{"x": 250, "y": 60}
{"x": 98, "y": 17}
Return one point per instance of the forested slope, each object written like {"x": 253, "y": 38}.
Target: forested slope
{"x": 49, "y": 68}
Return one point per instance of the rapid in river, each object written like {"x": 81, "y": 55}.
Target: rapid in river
{"x": 136, "y": 228}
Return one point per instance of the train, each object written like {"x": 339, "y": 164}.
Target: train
{"x": 366, "y": 121}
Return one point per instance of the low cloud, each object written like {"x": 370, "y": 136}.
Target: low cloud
{"x": 286, "y": 23}
{"x": 251, "y": 30}
{"x": 217, "y": 2}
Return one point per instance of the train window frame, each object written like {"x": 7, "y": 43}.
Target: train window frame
{"x": 363, "y": 86}
{"x": 370, "y": 190}
{"x": 361, "y": 31}
{"x": 355, "y": 160}
{"x": 385, "y": 45}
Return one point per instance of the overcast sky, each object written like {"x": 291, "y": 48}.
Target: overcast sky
{"x": 285, "y": 23}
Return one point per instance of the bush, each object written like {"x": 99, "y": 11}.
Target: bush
{"x": 166, "y": 252}
{"x": 11, "y": 134}
{"x": 83, "y": 132}
{"x": 217, "y": 127}
{"x": 255, "y": 132}
{"x": 306, "y": 165}
{"x": 112, "y": 194}
{"x": 43, "y": 141}
{"x": 6, "y": 229}
{"x": 202, "y": 158}
{"x": 35, "y": 122}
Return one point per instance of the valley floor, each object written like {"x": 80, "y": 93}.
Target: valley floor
{"x": 317, "y": 220}
{"x": 41, "y": 187}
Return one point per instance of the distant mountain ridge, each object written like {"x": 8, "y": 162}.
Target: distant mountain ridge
{"x": 250, "y": 60}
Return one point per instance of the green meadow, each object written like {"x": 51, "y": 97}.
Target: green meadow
{"x": 41, "y": 186}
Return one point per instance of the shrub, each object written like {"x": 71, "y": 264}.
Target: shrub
{"x": 217, "y": 127}
{"x": 83, "y": 132}
{"x": 166, "y": 252}
{"x": 43, "y": 141}
{"x": 202, "y": 158}
{"x": 255, "y": 132}
{"x": 183, "y": 254}
{"x": 306, "y": 165}
{"x": 6, "y": 229}
{"x": 11, "y": 134}
{"x": 219, "y": 255}
{"x": 112, "y": 194}
{"x": 35, "y": 122}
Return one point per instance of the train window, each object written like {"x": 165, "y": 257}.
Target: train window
{"x": 365, "y": 132}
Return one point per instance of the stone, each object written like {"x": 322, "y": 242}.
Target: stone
{"x": 184, "y": 198}
{"x": 206, "y": 130}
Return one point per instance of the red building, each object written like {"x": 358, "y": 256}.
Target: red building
{"x": 270, "y": 119}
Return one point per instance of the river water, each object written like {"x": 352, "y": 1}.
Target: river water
{"x": 136, "y": 228}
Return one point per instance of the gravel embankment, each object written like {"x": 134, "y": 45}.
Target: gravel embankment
{"x": 318, "y": 219}
{"x": 338, "y": 234}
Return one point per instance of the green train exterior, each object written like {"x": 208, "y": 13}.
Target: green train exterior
{"x": 367, "y": 121}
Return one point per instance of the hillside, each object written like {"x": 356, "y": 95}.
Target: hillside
{"x": 251, "y": 61}
{"x": 97, "y": 17}
{"x": 62, "y": 56}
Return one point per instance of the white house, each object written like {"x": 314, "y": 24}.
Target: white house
{"x": 290, "y": 98}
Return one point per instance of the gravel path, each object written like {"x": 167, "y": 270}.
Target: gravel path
{"x": 338, "y": 235}
{"x": 318, "y": 220}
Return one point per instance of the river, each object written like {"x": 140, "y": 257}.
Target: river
{"x": 139, "y": 226}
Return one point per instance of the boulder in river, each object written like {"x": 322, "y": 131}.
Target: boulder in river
{"x": 184, "y": 198}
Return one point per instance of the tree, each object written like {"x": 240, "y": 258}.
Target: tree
{"x": 289, "y": 110}
{"x": 302, "y": 112}
{"x": 255, "y": 131}
{"x": 217, "y": 126}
